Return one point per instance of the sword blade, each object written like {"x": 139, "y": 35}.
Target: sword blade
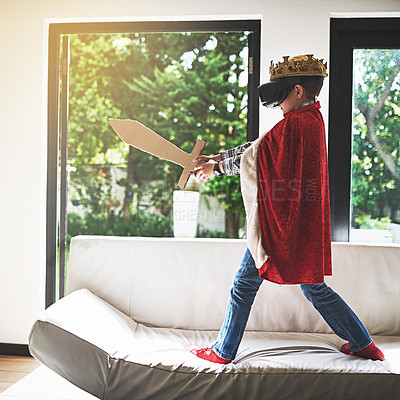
{"x": 139, "y": 136}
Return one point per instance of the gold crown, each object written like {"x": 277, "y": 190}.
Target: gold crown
{"x": 304, "y": 65}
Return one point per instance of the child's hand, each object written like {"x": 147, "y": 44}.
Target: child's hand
{"x": 204, "y": 170}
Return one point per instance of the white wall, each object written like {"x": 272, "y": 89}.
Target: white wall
{"x": 288, "y": 28}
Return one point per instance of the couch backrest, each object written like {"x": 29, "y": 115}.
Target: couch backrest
{"x": 185, "y": 283}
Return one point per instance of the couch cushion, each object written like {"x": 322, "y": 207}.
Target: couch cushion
{"x": 185, "y": 283}
{"x": 107, "y": 354}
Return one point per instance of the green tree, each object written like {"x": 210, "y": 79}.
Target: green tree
{"x": 207, "y": 100}
{"x": 376, "y": 134}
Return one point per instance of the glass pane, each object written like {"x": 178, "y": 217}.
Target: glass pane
{"x": 375, "y": 200}
{"x": 184, "y": 86}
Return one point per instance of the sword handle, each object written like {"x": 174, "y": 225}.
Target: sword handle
{"x": 189, "y": 166}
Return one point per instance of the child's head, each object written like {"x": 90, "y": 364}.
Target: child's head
{"x": 301, "y": 93}
{"x": 304, "y": 71}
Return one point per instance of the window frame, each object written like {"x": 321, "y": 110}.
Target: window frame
{"x": 55, "y": 122}
{"x": 347, "y": 34}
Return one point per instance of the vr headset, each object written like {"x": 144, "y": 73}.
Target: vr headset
{"x": 274, "y": 93}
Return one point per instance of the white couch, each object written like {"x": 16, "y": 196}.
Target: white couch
{"x": 136, "y": 304}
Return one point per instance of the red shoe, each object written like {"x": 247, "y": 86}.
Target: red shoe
{"x": 208, "y": 354}
{"x": 371, "y": 352}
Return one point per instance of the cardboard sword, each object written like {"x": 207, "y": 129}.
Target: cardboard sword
{"x": 139, "y": 136}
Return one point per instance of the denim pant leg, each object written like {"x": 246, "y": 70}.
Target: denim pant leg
{"x": 338, "y": 315}
{"x": 245, "y": 286}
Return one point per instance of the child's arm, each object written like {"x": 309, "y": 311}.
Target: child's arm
{"x": 228, "y": 163}
{"x": 231, "y": 159}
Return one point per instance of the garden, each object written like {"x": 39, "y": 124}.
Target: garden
{"x": 183, "y": 86}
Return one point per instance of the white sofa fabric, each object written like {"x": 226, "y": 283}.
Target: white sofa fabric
{"x": 136, "y": 304}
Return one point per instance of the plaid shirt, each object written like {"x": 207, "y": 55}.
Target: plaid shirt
{"x": 231, "y": 159}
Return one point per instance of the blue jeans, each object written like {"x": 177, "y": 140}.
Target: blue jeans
{"x": 328, "y": 303}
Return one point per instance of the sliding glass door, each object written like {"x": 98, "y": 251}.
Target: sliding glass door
{"x": 185, "y": 81}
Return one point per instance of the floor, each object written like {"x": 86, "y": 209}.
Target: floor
{"x": 24, "y": 378}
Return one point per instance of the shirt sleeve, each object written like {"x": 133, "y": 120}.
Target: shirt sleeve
{"x": 231, "y": 159}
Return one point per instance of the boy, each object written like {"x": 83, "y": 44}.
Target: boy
{"x": 284, "y": 183}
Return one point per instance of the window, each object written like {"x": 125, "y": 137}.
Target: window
{"x": 375, "y": 190}
{"x": 185, "y": 80}
{"x": 364, "y": 130}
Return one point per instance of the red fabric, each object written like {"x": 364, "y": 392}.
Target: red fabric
{"x": 293, "y": 199}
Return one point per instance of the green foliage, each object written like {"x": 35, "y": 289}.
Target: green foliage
{"x": 366, "y": 222}
{"x": 202, "y": 107}
{"x": 93, "y": 187}
{"x": 184, "y": 86}
{"x": 376, "y": 189}
{"x": 202, "y": 100}
{"x": 140, "y": 224}
{"x": 227, "y": 190}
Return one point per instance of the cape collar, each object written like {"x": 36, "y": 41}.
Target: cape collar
{"x": 309, "y": 105}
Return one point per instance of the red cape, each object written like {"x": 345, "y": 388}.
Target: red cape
{"x": 293, "y": 199}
